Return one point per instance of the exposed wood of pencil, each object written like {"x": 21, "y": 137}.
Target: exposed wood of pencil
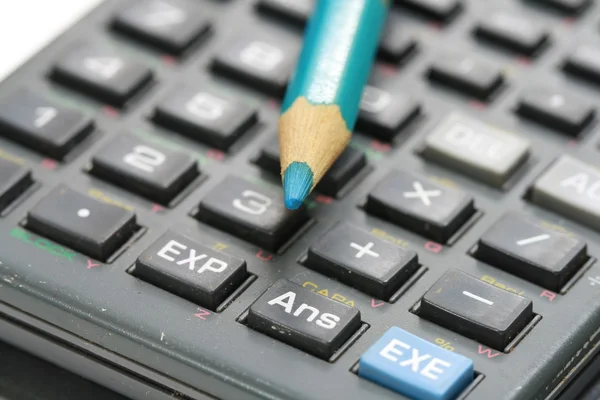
{"x": 314, "y": 134}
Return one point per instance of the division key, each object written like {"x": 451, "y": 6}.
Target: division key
{"x": 85, "y": 225}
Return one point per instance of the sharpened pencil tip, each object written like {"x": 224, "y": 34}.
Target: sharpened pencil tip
{"x": 297, "y": 182}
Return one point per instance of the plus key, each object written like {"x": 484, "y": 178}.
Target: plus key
{"x": 361, "y": 260}
{"x": 420, "y": 205}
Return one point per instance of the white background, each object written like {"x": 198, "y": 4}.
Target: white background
{"x": 28, "y": 25}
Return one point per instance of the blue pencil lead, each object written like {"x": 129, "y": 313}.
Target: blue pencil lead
{"x": 297, "y": 182}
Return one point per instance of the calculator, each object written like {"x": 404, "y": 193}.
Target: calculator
{"x": 450, "y": 253}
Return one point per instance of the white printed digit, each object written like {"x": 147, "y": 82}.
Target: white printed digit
{"x": 256, "y": 203}
{"x": 145, "y": 158}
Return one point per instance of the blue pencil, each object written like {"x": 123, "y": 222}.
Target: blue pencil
{"x": 322, "y": 101}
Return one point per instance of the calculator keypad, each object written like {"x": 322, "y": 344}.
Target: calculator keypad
{"x": 148, "y": 200}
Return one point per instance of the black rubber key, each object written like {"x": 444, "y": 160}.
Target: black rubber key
{"x": 152, "y": 171}
{"x": 420, "y": 205}
{"x": 513, "y": 32}
{"x": 212, "y": 118}
{"x": 441, "y": 10}
{"x": 14, "y": 180}
{"x": 357, "y": 258}
{"x": 184, "y": 267}
{"x": 557, "y": 110}
{"x": 348, "y": 164}
{"x": 523, "y": 247}
{"x": 570, "y": 7}
{"x": 294, "y": 11}
{"x": 584, "y": 63}
{"x": 41, "y": 125}
{"x": 397, "y": 43}
{"x": 303, "y": 319}
{"x": 253, "y": 213}
{"x": 476, "y": 309}
{"x": 263, "y": 61}
{"x": 383, "y": 113}
{"x": 172, "y": 26}
{"x": 469, "y": 75}
{"x": 85, "y": 225}
{"x": 101, "y": 74}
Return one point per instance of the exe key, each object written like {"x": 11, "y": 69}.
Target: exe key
{"x": 85, "y": 225}
{"x": 182, "y": 266}
{"x": 303, "y": 319}
{"x": 476, "y": 309}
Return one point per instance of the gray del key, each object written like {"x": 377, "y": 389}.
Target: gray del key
{"x": 477, "y": 149}
{"x": 303, "y": 319}
{"x": 182, "y": 266}
{"x": 572, "y": 188}
{"x": 361, "y": 260}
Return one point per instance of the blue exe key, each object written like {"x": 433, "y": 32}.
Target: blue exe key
{"x": 415, "y": 368}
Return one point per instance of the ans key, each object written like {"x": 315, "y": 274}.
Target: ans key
{"x": 476, "y": 309}
{"x": 361, "y": 260}
{"x": 303, "y": 319}
{"x": 253, "y": 213}
{"x": 85, "y": 225}
{"x": 524, "y": 248}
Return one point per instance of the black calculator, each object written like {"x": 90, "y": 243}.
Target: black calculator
{"x": 451, "y": 252}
